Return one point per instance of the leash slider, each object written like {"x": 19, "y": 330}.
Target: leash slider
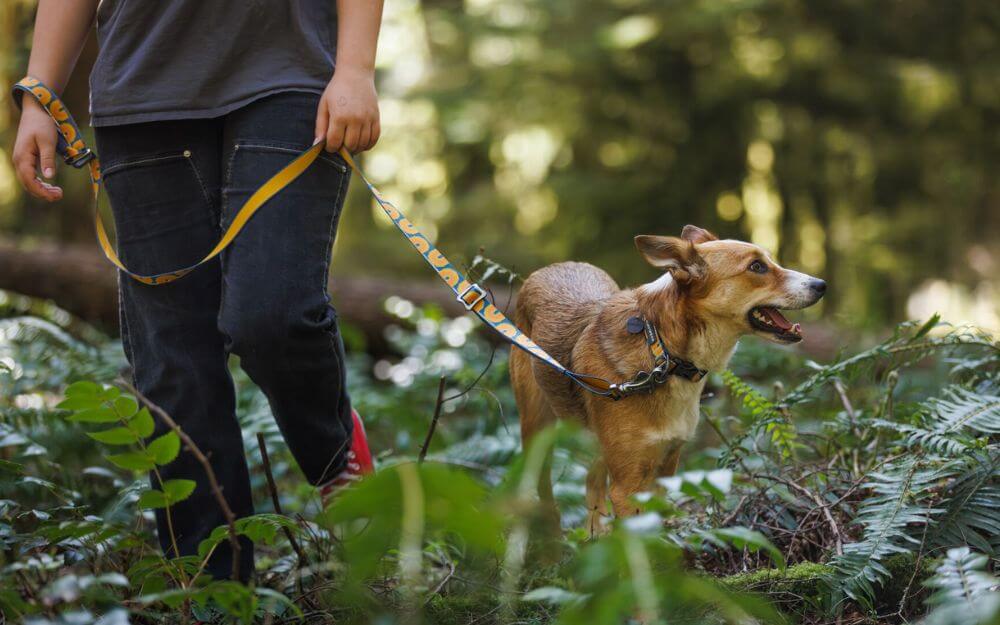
{"x": 82, "y": 158}
{"x": 472, "y": 288}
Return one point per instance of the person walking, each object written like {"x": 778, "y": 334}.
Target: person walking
{"x": 194, "y": 105}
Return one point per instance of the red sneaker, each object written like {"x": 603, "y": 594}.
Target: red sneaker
{"x": 359, "y": 463}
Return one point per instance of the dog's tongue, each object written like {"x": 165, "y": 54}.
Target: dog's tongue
{"x": 777, "y": 318}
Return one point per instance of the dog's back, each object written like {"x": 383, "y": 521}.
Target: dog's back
{"x": 554, "y": 307}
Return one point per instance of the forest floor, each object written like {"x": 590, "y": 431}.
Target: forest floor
{"x": 864, "y": 489}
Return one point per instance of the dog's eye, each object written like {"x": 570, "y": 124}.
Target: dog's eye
{"x": 757, "y": 267}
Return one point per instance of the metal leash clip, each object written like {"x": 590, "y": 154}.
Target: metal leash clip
{"x": 643, "y": 381}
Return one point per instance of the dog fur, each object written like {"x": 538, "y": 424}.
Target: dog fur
{"x": 701, "y": 305}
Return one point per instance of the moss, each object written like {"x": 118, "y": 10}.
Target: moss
{"x": 804, "y": 574}
{"x": 805, "y": 588}
{"x": 797, "y": 590}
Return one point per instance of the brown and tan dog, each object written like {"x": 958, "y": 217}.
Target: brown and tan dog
{"x": 712, "y": 293}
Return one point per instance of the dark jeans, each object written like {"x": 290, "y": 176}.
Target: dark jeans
{"x": 174, "y": 186}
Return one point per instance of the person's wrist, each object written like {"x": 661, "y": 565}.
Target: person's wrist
{"x": 31, "y": 108}
{"x": 355, "y": 70}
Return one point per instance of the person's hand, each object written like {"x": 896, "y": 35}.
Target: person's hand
{"x": 348, "y": 111}
{"x": 35, "y": 151}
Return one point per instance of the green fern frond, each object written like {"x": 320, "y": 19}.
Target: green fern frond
{"x": 40, "y": 354}
{"x": 962, "y": 409}
{"x": 949, "y": 424}
{"x": 487, "y": 450}
{"x": 909, "y": 344}
{"x": 964, "y": 591}
{"x": 972, "y": 514}
{"x": 764, "y": 415}
{"x": 893, "y": 517}
{"x": 919, "y": 437}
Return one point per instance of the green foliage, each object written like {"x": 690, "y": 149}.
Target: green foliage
{"x": 964, "y": 591}
{"x": 901, "y": 497}
{"x": 633, "y": 571}
{"x": 870, "y": 467}
{"x": 401, "y": 508}
{"x": 764, "y": 415}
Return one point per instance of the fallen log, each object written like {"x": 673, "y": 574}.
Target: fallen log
{"x": 79, "y": 279}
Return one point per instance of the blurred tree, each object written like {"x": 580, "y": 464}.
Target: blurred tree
{"x": 857, "y": 140}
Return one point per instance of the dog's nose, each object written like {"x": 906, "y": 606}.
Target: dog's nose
{"x": 818, "y": 286}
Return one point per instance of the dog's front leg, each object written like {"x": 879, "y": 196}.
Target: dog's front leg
{"x": 671, "y": 461}
{"x": 629, "y": 475}
{"x": 597, "y": 498}
{"x": 629, "y": 454}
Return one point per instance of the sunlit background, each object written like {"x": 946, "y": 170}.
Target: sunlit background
{"x": 858, "y": 141}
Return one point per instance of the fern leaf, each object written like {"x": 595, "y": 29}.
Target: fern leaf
{"x": 765, "y": 416}
{"x": 972, "y": 514}
{"x": 962, "y": 409}
{"x": 893, "y": 518}
{"x": 964, "y": 591}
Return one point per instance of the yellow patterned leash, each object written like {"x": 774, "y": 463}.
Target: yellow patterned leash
{"x": 472, "y": 296}
{"x": 77, "y": 154}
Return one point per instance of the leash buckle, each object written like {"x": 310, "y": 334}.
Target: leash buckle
{"x": 85, "y": 156}
{"x": 473, "y": 288}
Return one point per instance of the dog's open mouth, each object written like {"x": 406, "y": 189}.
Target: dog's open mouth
{"x": 770, "y": 319}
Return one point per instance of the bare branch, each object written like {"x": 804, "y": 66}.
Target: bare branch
{"x": 213, "y": 482}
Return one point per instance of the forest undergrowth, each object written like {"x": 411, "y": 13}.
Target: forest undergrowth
{"x": 865, "y": 489}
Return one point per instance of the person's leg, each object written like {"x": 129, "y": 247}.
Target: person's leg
{"x": 164, "y": 183}
{"x": 276, "y": 312}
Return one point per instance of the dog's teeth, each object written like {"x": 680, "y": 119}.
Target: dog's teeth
{"x": 797, "y": 329}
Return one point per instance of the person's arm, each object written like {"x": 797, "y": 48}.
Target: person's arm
{"x": 348, "y": 112}
{"x": 61, "y": 28}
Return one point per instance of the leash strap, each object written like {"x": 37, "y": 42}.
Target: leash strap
{"x": 77, "y": 154}
{"x": 472, "y": 296}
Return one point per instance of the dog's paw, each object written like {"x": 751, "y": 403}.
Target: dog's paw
{"x": 597, "y": 524}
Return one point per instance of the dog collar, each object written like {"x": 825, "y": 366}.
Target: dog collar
{"x": 665, "y": 364}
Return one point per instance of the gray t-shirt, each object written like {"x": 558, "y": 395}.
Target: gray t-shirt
{"x": 185, "y": 59}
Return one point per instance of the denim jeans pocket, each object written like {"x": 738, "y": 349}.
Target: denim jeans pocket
{"x": 253, "y": 162}
{"x": 292, "y": 234}
{"x": 267, "y": 157}
{"x": 164, "y": 219}
{"x": 156, "y": 194}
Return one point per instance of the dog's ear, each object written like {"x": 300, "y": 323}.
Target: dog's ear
{"x": 678, "y": 256}
{"x": 697, "y": 235}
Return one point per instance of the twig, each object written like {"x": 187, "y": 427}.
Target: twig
{"x": 434, "y": 421}
{"x": 916, "y": 564}
{"x": 853, "y": 417}
{"x": 842, "y": 392}
{"x": 447, "y": 578}
{"x": 213, "y": 482}
{"x": 837, "y": 534}
{"x": 472, "y": 385}
{"x": 273, "y": 489}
